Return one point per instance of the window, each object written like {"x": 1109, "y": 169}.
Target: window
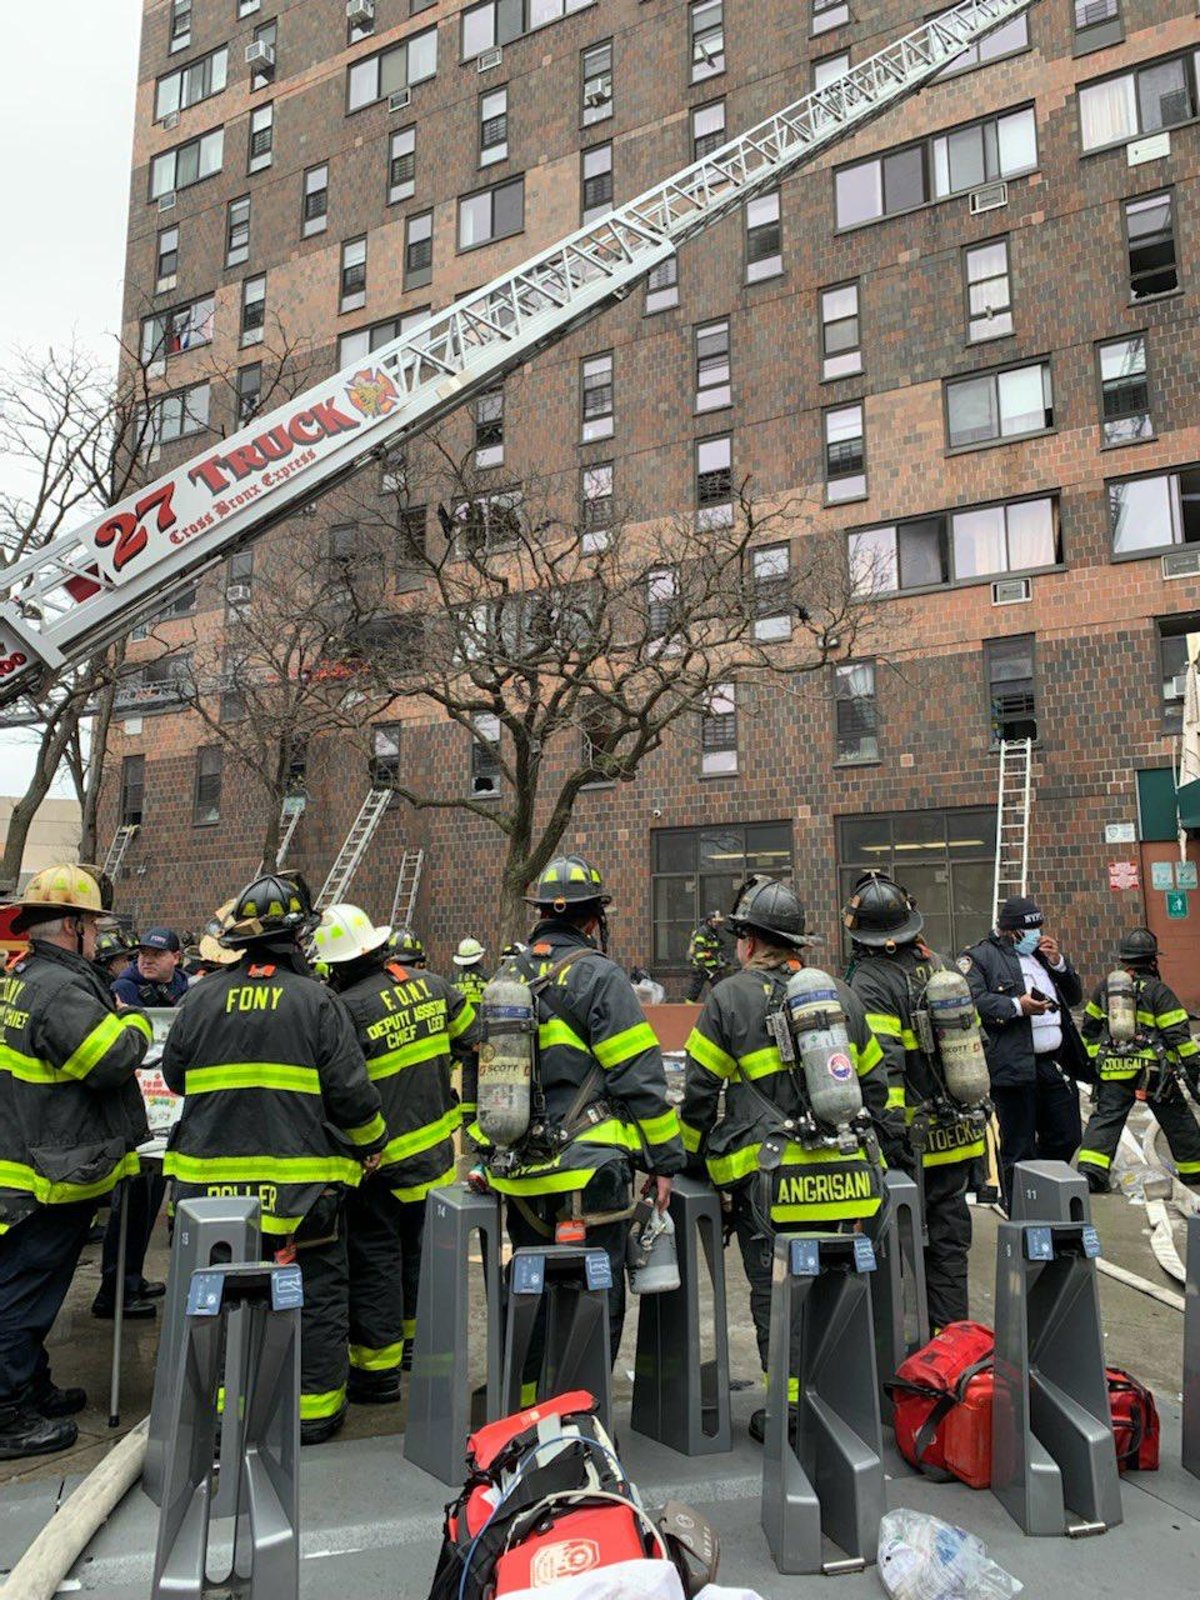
{"x": 166, "y": 263}
{"x": 708, "y": 129}
{"x": 190, "y": 84}
{"x": 187, "y": 163}
{"x": 764, "y": 238}
{"x": 493, "y": 214}
{"x": 493, "y": 127}
{"x": 206, "y": 805}
{"x": 179, "y": 415}
{"x": 830, "y": 69}
{"x": 401, "y": 67}
{"x": 600, "y": 737}
{"x": 855, "y": 711}
{"x": 402, "y": 164}
{"x": 487, "y": 523}
{"x": 1011, "y": 709}
{"x": 485, "y": 758}
{"x": 358, "y": 345}
{"x": 262, "y": 136}
{"x": 267, "y": 33}
{"x": 239, "y": 577}
{"x": 181, "y": 25}
{"x": 1009, "y": 40}
{"x": 979, "y": 542}
{"x": 1160, "y": 94}
{"x": 1150, "y": 239}
{"x": 596, "y": 385}
{"x": 596, "y": 504}
{"x": 662, "y": 286}
{"x": 596, "y": 72}
{"x": 314, "y": 211}
{"x": 385, "y": 753}
{"x": 410, "y": 541}
{"x": 714, "y": 481}
{"x": 845, "y": 454}
{"x": 989, "y": 291}
{"x": 133, "y": 790}
{"x": 489, "y": 428}
{"x": 418, "y": 249}
{"x": 718, "y": 733}
{"x": 157, "y": 686}
{"x": 770, "y": 567}
{"x": 949, "y": 163}
{"x": 712, "y": 366}
{"x": 232, "y": 707}
{"x": 841, "y": 335}
{"x": 993, "y": 406}
{"x": 182, "y": 328}
{"x": 1153, "y": 513}
{"x": 662, "y": 594}
{"x": 247, "y": 8}
{"x": 697, "y": 869}
{"x": 237, "y": 231}
{"x": 499, "y": 22}
{"x": 254, "y": 309}
{"x": 1124, "y": 391}
{"x": 1097, "y": 23}
{"x": 827, "y": 14}
{"x": 248, "y": 388}
{"x": 1173, "y": 660}
{"x": 706, "y": 22}
{"x": 596, "y": 167}
{"x": 945, "y": 859}
{"x": 353, "y": 294}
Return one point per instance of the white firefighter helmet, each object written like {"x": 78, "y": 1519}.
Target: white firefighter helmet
{"x": 345, "y": 933}
{"x": 469, "y": 953}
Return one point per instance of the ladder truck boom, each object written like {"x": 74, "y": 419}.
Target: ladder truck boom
{"x": 83, "y": 590}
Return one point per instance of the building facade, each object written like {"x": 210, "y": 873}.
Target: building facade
{"x": 967, "y": 337}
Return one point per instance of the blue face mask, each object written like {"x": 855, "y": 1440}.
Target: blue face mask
{"x": 1028, "y": 942}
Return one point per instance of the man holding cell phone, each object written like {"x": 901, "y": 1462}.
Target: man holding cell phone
{"x": 1023, "y": 985}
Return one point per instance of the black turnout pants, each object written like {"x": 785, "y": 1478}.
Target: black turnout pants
{"x": 948, "y": 1224}
{"x": 325, "y": 1320}
{"x": 1114, "y": 1102}
{"x": 383, "y": 1237}
{"x": 1039, "y": 1121}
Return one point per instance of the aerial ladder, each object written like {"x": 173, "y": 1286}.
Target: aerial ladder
{"x": 85, "y": 589}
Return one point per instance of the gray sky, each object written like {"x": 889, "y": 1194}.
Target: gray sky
{"x": 67, "y": 81}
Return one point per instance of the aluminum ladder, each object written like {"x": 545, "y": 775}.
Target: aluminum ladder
{"x": 408, "y": 884}
{"x": 1012, "y": 822}
{"x": 289, "y": 821}
{"x": 348, "y": 857}
{"x": 118, "y": 847}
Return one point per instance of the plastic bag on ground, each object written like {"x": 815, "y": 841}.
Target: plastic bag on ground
{"x": 628, "y": 1580}
{"x": 924, "y": 1558}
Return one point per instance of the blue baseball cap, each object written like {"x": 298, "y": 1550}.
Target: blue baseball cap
{"x": 159, "y": 939}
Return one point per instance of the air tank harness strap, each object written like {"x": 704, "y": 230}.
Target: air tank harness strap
{"x": 543, "y": 988}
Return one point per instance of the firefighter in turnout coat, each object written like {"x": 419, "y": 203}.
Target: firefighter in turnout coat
{"x": 278, "y": 1106}
{"x": 732, "y": 1050}
{"x": 411, "y": 1025}
{"x": 889, "y": 970}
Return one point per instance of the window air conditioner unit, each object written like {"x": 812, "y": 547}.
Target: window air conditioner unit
{"x": 260, "y": 54}
{"x": 166, "y": 202}
{"x": 1175, "y": 688}
{"x": 597, "y": 98}
{"x": 989, "y": 197}
{"x": 237, "y": 594}
{"x": 360, "y": 13}
{"x": 400, "y": 101}
{"x": 171, "y": 120}
{"x": 1011, "y": 591}
{"x": 1181, "y": 564}
{"x": 488, "y": 59}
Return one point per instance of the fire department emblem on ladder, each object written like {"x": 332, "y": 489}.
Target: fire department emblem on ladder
{"x": 372, "y": 393}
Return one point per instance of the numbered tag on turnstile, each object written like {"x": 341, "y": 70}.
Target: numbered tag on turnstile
{"x": 204, "y": 1294}
{"x": 1039, "y": 1244}
{"x": 1091, "y": 1241}
{"x": 598, "y": 1269}
{"x": 864, "y": 1254}
{"x": 287, "y": 1289}
{"x": 806, "y": 1258}
{"x": 529, "y": 1274}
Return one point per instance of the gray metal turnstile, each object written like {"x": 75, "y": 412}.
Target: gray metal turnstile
{"x": 1191, "y": 1351}
{"x": 1054, "y": 1464}
{"x": 439, "y": 1394}
{"x": 899, "y": 1308}
{"x": 830, "y": 1479}
{"x": 263, "y": 1390}
{"x": 1049, "y": 1191}
{"x": 208, "y": 1233}
{"x": 567, "y": 1285}
{"x": 679, "y": 1398}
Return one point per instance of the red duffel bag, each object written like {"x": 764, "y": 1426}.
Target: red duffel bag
{"x": 943, "y": 1399}
{"x": 1134, "y": 1420}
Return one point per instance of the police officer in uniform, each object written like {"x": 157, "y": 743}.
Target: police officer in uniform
{"x": 1163, "y": 1050}
{"x": 278, "y": 1105}
{"x": 706, "y": 955}
{"x": 732, "y": 1049}
{"x": 601, "y": 1074}
{"x": 71, "y": 1116}
{"x": 470, "y": 980}
{"x": 890, "y": 967}
{"x": 409, "y": 1025}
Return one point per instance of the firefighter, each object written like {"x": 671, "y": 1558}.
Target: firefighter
{"x": 733, "y": 1050}
{"x": 706, "y": 955}
{"x": 891, "y": 965}
{"x": 278, "y": 1106}
{"x": 1156, "y": 1049}
{"x": 115, "y": 948}
{"x": 71, "y": 1116}
{"x": 407, "y": 947}
{"x": 471, "y": 981}
{"x": 410, "y": 1026}
{"x": 600, "y": 1071}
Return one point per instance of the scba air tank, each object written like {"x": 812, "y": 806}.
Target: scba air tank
{"x": 818, "y": 1025}
{"x": 506, "y": 1060}
{"x": 956, "y": 1032}
{"x": 1122, "y": 1007}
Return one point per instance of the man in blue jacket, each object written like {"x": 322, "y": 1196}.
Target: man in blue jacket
{"x": 154, "y": 977}
{"x": 1022, "y": 985}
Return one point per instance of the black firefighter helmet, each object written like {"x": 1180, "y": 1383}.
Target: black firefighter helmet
{"x": 1138, "y": 948}
{"x": 568, "y": 881}
{"x": 771, "y": 909}
{"x": 880, "y": 914}
{"x": 274, "y": 906}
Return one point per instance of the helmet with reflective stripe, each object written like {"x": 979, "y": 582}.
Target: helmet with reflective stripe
{"x": 276, "y": 904}
{"x": 771, "y": 910}
{"x": 61, "y": 891}
{"x": 1138, "y": 948}
{"x": 469, "y": 953}
{"x": 880, "y": 914}
{"x": 407, "y": 947}
{"x": 114, "y": 942}
{"x": 346, "y": 933}
{"x": 568, "y": 881}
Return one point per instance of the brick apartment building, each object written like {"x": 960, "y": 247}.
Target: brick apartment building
{"x": 972, "y": 327}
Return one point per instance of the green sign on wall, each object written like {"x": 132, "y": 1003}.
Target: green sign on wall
{"x": 1177, "y": 904}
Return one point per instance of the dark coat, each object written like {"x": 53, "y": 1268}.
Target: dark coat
{"x": 993, "y": 970}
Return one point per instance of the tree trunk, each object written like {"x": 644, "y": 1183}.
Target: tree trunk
{"x": 89, "y": 800}
{"x": 273, "y": 829}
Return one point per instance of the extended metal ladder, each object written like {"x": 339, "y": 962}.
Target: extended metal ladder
{"x": 348, "y": 857}
{"x": 1012, "y": 822}
{"x": 118, "y": 847}
{"x": 289, "y": 821}
{"x": 408, "y": 884}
